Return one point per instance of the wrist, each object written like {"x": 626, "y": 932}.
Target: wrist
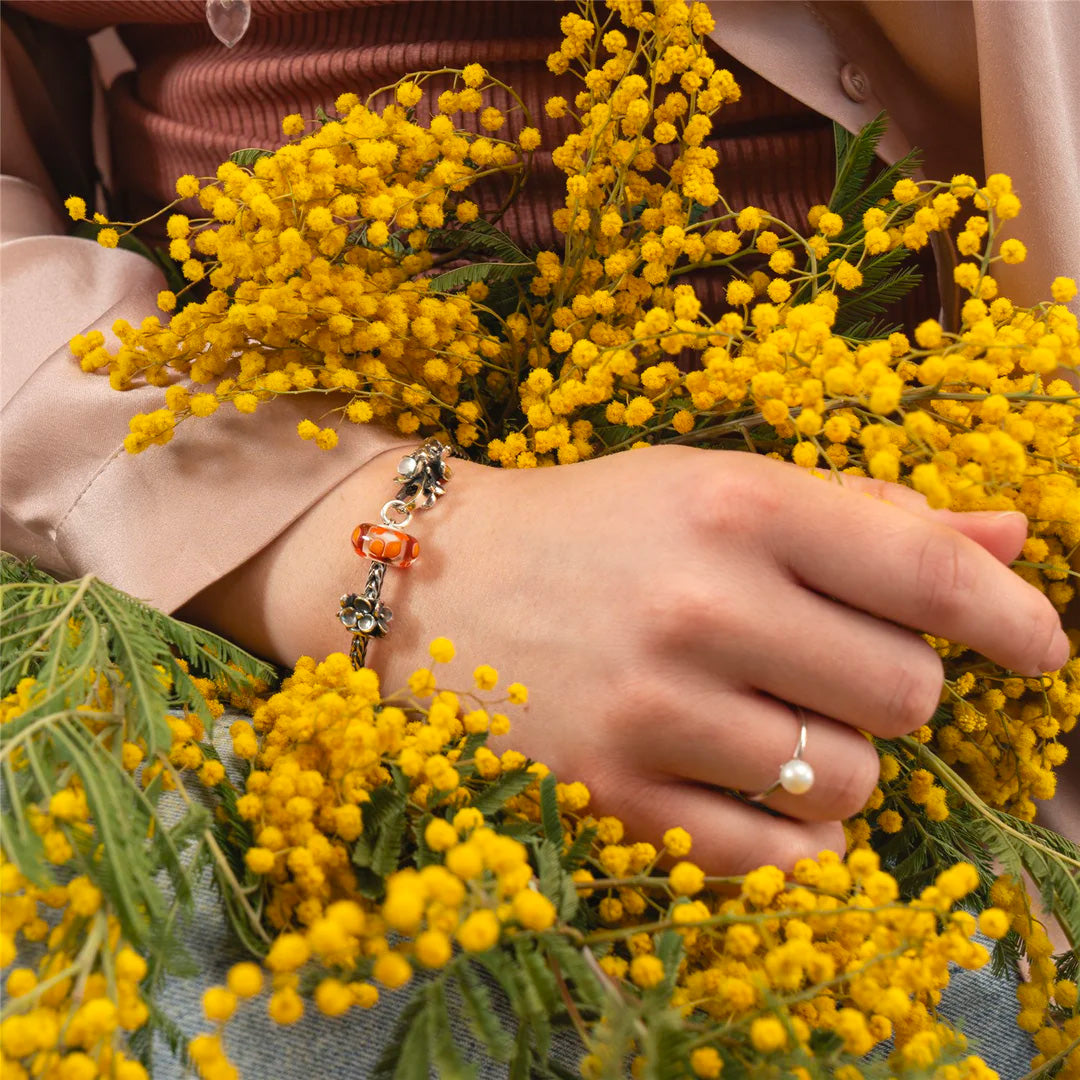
{"x": 282, "y": 602}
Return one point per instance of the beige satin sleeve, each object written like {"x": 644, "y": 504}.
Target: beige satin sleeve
{"x": 980, "y": 86}
{"x": 1008, "y": 68}
{"x": 1029, "y": 88}
{"x": 166, "y": 523}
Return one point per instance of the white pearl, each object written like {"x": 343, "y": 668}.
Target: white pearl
{"x": 796, "y": 776}
{"x": 407, "y": 466}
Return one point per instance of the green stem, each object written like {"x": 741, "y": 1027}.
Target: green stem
{"x": 1045, "y": 1067}
{"x": 962, "y": 788}
{"x": 25, "y": 1002}
{"x": 219, "y": 857}
{"x": 951, "y": 779}
{"x": 618, "y": 934}
{"x": 13, "y": 744}
{"x": 83, "y": 584}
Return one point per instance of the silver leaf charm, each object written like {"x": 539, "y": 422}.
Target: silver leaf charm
{"x": 229, "y": 19}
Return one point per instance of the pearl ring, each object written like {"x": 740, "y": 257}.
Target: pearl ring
{"x": 796, "y": 776}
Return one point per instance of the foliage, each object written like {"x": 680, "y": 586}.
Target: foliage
{"x": 93, "y": 685}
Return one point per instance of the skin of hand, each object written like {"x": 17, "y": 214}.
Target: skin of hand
{"x": 666, "y": 608}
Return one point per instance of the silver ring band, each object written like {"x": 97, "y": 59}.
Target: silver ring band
{"x": 796, "y": 775}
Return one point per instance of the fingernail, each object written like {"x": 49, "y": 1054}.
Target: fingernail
{"x": 1059, "y": 652}
{"x": 995, "y": 515}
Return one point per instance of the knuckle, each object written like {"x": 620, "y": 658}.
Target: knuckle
{"x": 915, "y": 693}
{"x": 610, "y": 786}
{"x": 681, "y": 613}
{"x": 945, "y": 576}
{"x": 737, "y": 499}
{"x": 625, "y": 724}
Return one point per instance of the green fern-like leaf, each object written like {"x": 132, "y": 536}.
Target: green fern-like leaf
{"x": 480, "y": 1013}
{"x": 136, "y": 653}
{"x": 487, "y": 272}
{"x": 15, "y": 571}
{"x": 870, "y": 330}
{"x": 571, "y": 963}
{"x": 506, "y": 787}
{"x": 534, "y": 1021}
{"x": 407, "y": 1055}
{"x": 479, "y": 237}
{"x": 549, "y": 812}
{"x": 63, "y": 643}
{"x": 854, "y": 155}
{"x": 579, "y": 850}
{"x": 444, "y": 1051}
{"x": 874, "y": 299}
{"x": 248, "y": 156}
{"x": 210, "y": 654}
{"x": 386, "y": 853}
{"x": 853, "y": 191}
{"x": 521, "y": 1064}
{"x": 1052, "y": 860}
{"x": 888, "y": 278}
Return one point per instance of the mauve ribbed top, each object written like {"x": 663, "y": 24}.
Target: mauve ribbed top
{"x": 191, "y": 101}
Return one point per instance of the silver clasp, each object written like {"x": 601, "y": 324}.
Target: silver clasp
{"x": 399, "y": 507}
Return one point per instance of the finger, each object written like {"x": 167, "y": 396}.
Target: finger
{"x": 919, "y": 573}
{"x": 842, "y": 663}
{"x": 729, "y": 836}
{"x": 739, "y": 740}
{"x": 1002, "y": 533}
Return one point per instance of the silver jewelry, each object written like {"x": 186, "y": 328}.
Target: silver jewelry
{"x": 423, "y": 475}
{"x": 796, "y": 775}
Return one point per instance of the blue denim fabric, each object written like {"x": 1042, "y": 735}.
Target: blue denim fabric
{"x": 320, "y": 1048}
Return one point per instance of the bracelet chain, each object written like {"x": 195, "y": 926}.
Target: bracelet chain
{"x": 422, "y": 475}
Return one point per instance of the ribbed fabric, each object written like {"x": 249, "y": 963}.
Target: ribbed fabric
{"x": 192, "y": 101}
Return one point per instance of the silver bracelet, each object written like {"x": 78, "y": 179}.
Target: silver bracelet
{"x": 422, "y": 475}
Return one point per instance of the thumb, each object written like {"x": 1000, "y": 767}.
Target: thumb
{"x": 1002, "y": 533}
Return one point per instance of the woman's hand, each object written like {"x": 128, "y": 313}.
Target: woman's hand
{"x": 667, "y": 608}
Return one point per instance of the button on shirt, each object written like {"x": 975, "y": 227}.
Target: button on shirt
{"x": 855, "y": 83}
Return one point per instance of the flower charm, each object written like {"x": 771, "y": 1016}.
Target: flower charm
{"x": 362, "y": 615}
{"x": 423, "y": 474}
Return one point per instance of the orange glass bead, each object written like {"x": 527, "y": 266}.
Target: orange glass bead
{"x": 385, "y": 544}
